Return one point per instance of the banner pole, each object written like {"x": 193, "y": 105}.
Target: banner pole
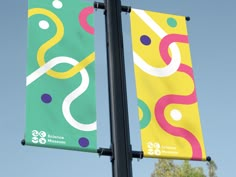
{"x": 120, "y": 138}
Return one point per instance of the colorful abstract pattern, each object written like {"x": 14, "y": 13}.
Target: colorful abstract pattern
{"x": 60, "y": 108}
{"x": 168, "y": 108}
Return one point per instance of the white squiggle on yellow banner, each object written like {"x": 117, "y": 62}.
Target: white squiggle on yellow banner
{"x": 176, "y": 58}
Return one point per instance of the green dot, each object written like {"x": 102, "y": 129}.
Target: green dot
{"x": 172, "y": 22}
{"x": 145, "y": 120}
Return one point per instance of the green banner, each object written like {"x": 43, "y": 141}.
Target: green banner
{"x": 60, "y": 103}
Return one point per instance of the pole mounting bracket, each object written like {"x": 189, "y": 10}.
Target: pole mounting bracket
{"x": 101, "y": 5}
{"x": 108, "y": 152}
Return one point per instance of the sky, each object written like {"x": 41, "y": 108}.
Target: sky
{"x": 212, "y": 41}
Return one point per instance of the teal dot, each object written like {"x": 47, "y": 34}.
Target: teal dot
{"x": 172, "y": 22}
{"x": 145, "y": 120}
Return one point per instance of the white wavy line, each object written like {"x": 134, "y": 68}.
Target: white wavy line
{"x": 72, "y": 96}
{"x": 47, "y": 66}
{"x": 176, "y": 58}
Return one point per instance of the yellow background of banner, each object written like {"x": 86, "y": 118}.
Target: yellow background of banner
{"x": 156, "y": 142}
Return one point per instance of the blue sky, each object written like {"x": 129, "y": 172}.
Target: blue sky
{"x": 212, "y": 38}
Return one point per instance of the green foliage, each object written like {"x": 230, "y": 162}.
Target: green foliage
{"x": 186, "y": 170}
{"x": 212, "y": 168}
{"x": 167, "y": 168}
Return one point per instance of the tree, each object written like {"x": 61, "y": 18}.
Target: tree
{"x": 186, "y": 170}
{"x": 212, "y": 168}
{"x": 167, "y": 168}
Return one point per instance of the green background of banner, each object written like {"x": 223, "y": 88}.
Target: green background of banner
{"x": 77, "y": 44}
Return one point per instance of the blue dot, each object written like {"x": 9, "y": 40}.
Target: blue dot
{"x": 145, "y": 40}
{"x": 46, "y": 98}
{"x": 83, "y": 142}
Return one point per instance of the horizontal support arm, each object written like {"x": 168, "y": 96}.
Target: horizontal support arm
{"x": 108, "y": 152}
{"x": 127, "y": 9}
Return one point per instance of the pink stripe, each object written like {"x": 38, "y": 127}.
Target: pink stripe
{"x": 177, "y": 99}
{"x": 83, "y": 19}
{"x": 165, "y": 43}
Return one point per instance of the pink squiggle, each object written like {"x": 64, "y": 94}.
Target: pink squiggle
{"x": 177, "y": 99}
{"x": 83, "y": 19}
{"x": 165, "y": 43}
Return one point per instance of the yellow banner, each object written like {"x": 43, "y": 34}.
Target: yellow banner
{"x": 168, "y": 108}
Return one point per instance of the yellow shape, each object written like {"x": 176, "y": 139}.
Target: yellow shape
{"x": 54, "y": 40}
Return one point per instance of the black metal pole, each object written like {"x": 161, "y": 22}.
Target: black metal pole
{"x": 120, "y": 137}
